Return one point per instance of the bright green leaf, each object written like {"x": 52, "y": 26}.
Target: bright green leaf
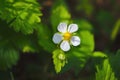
{"x": 59, "y": 14}
{"x": 21, "y": 15}
{"x": 83, "y": 25}
{"x": 87, "y": 41}
{"x": 105, "y": 72}
{"x": 99, "y": 54}
{"x": 59, "y": 60}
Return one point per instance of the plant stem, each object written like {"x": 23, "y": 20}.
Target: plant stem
{"x": 115, "y": 30}
{"x": 12, "y": 77}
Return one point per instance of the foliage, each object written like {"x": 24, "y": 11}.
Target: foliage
{"x": 114, "y": 60}
{"x": 21, "y": 15}
{"x": 59, "y": 59}
{"x": 59, "y": 13}
{"x": 8, "y": 57}
{"x": 28, "y": 26}
{"x": 78, "y": 57}
{"x": 105, "y": 73}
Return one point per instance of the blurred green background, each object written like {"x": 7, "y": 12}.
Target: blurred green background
{"x": 26, "y": 47}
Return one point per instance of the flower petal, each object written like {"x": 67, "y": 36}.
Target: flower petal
{"x": 75, "y": 40}
{"x": 72, "y": 28}
{"x": 65, "y": 46}
{"x": 62, "y": 27}
{"x": 57, "y": 38}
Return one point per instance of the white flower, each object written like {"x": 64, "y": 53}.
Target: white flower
{"x": 65, "y": 36}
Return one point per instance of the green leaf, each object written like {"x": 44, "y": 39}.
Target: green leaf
{"x": 45, "y": 38}
{"x": 59, "y": 59}
{"x": 83, "y": 24}
{"x": 115, "y": 63}
{"x": 105, "y": 72}
{"x": 78, "y": 56}
{"x": 8, "y": 57}
{"x": 22, "y": 15}
{"x": 87, "y": 41}
{"x": 59, "y": 14}
{"x": 76, "y": 61}
{"x": 25, "y": 43}
{"x": 99, "y": 54}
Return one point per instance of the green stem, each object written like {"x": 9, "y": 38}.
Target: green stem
{"x": 115, "y": 30}
{"x": 12, "y": 77}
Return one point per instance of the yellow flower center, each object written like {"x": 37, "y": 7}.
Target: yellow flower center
{"x": 67, "y": 36}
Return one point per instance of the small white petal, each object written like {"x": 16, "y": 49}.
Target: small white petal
{"x": 72, "y": 28}
{"x": 65, "y": 46}
{"x": 75, "y": 40}
{"x": 62, "y": 27}
{"x": 57, "y": 38}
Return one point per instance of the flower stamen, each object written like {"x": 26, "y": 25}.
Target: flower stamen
{"x": 67, "y": 36}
